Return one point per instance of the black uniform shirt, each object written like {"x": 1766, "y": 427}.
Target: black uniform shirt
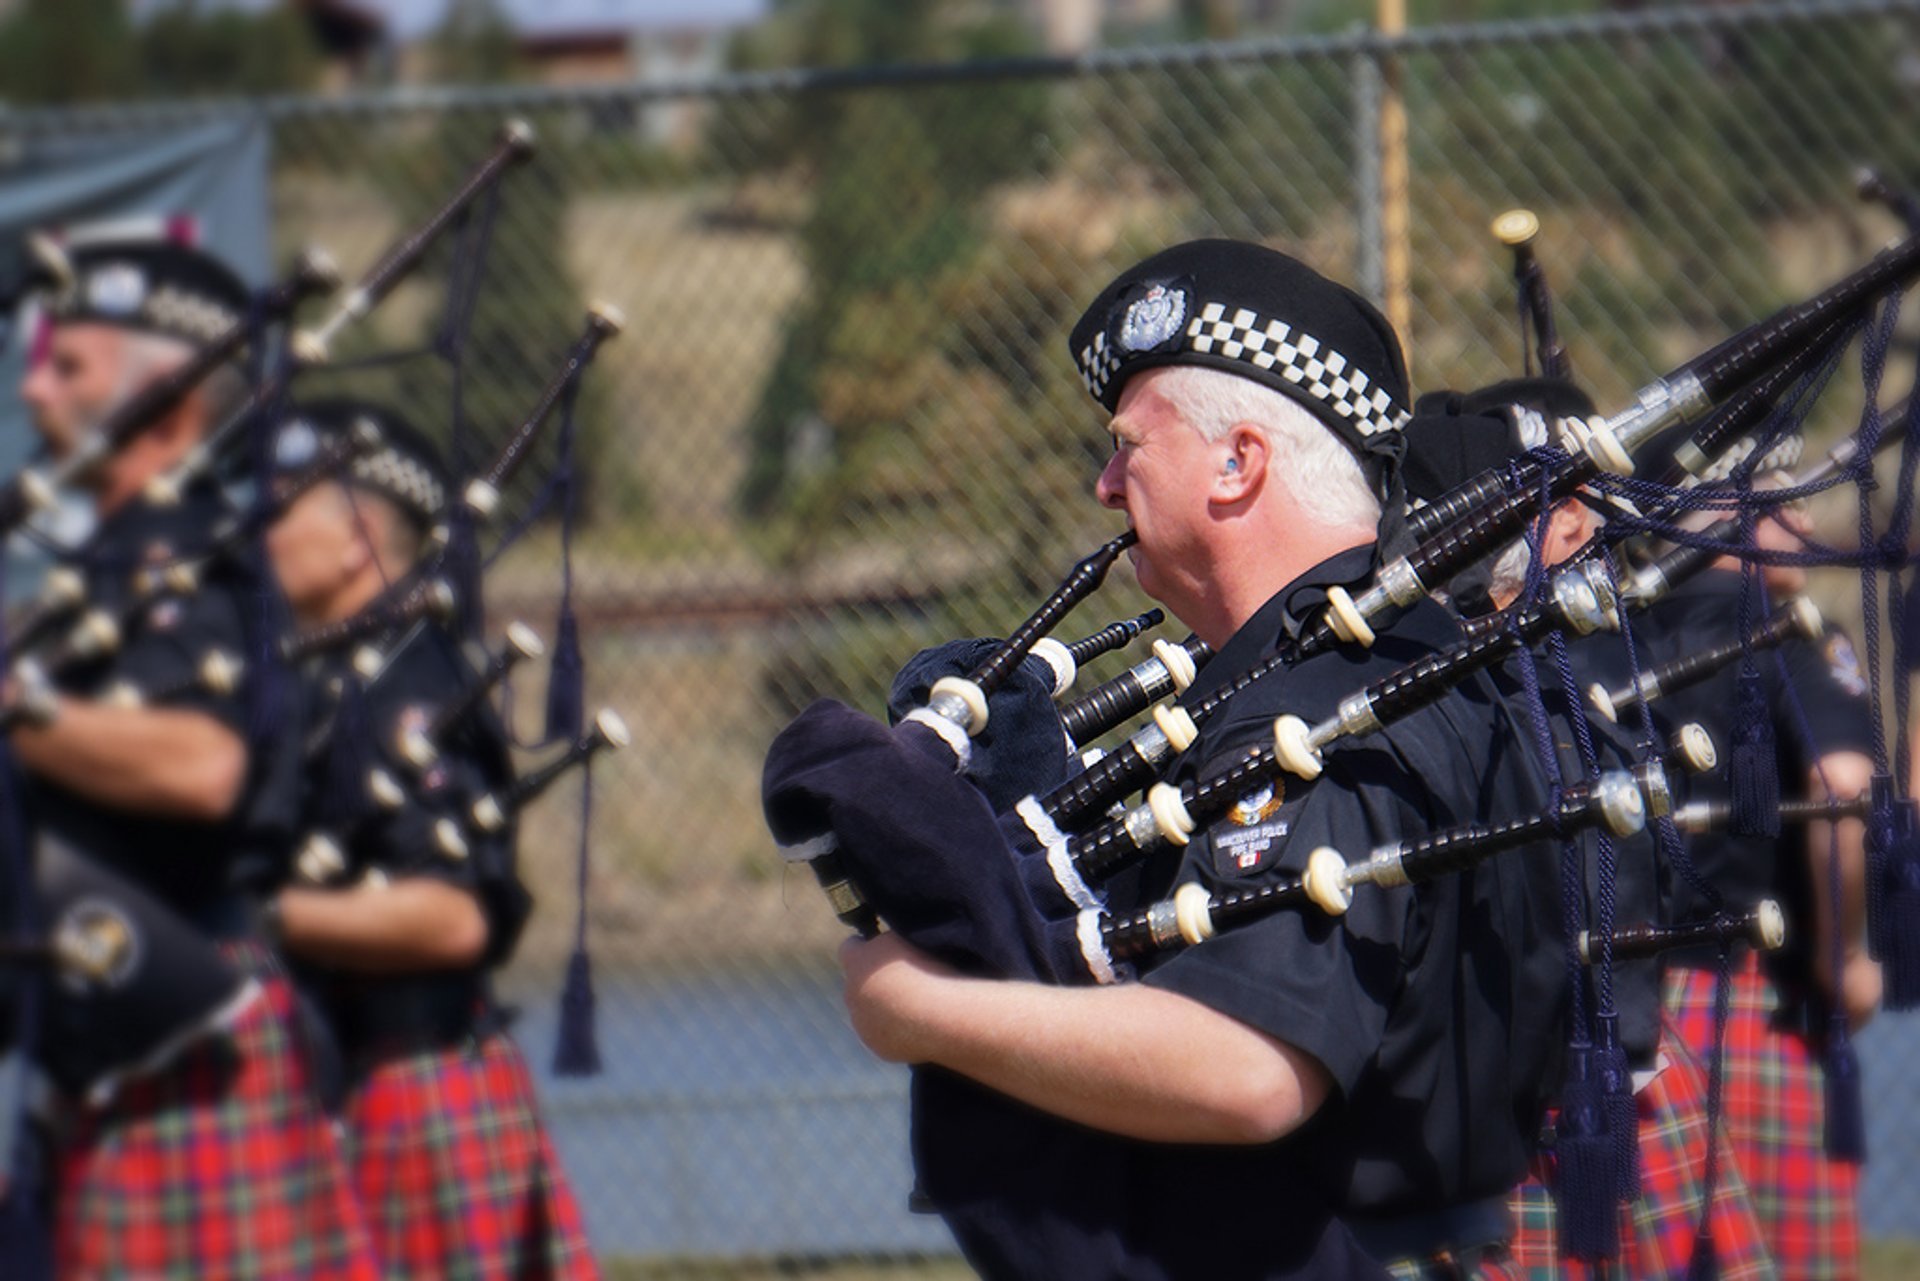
{"x": 1705, "y": 612}
{"x": 198, "y": 868}
{"x": 424, "y": 672}
{"x": 1433, "y": 1008}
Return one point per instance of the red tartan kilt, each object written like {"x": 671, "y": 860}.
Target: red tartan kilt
{"x": 1656, "y": 1231}
{"x": 456, "y": 1174}
{"x": 1498, "y": 1267}
{"x": 220, "y": 1165}
{"x": 1774, "y": 1110}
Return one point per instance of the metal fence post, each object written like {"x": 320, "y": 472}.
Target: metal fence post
{"x": 1370, "y": 247}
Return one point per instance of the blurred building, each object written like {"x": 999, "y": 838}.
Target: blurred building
{"x": 1074, "y": 26}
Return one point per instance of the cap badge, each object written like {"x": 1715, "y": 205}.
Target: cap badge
{"x": 1258, "y": 805}
{"x": 1152, "y": 318}
{"x": 116, "y": 289}
{"x": 296, "y": 445}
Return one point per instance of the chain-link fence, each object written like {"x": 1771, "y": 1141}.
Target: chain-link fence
{"x": 842, "y": 425}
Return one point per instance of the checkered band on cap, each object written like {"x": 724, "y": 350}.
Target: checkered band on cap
{"x": 1782, "y": 457}
{"x": 404, "y": 479}
{"x": 160, "y": 295}
{"x": 1275, "y": 348}
{"x": 192, "y": 316}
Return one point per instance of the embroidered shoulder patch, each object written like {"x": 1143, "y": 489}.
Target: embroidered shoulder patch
{"x": 1252, "y": 834}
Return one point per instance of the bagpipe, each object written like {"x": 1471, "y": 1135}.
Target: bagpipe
{"x": 1489, "y": 511}
{"x": 430, "y": 594}
{"x": 429, "y": 768}
{"x": 1497, "y": 509}
{"x": 1116, "y": 701}
{"x": 1618, "y": 800}
{"x": 131, "y": 983}
{"x": 1763, "y": 926}
{"x": 1516, "y": 229}
{"x": 1798, "y": 617}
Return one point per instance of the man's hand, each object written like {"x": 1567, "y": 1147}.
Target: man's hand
{"x": 1860, "y": 987}
{"x": 888, "y": 981}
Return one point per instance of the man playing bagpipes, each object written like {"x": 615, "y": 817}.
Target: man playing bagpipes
{"x": 405, "y": 896}
{"x": 1302, "y": 1095}
{"x": 1455, "y": 438}
{"x": 1748, "y": 658}
{"x": 1791, "y": 1094}
{"x": 137, "y": 750}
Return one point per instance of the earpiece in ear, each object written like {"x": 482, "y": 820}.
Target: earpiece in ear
{"x": 1233, "y": 465}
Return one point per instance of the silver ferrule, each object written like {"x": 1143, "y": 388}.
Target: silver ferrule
{"x": 1143, "y": 829}
{"x": 1656, "y": 788}
{"x": 1647, "y": 688}
{"x": 1647, "y": 585}
{"x": 1660, "y": 405}
{"x": 1163, "y": 923}
{"x": 1691, "y": 458}
{"x": 1842, "y": 454}
{"x": 1398, "y": 585}
{"x": 1153, "y": 677}
{"x": 950, "y": 707}
{"x": 1574, "y": 601}
{"x": 1151, "y": 744}
{"x": 1605, "y": 594}
{"x": 1385, "y": 867}
{"x": 1694, "y": 816}
{"x": 1356, "y": 717}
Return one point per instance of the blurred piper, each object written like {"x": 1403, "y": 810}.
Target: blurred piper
{"x": 173, "y": 793}
{"x": 1792, "y": 1123}
{"x": 401, "y": 908}
{"x": 1656, "y": 1229}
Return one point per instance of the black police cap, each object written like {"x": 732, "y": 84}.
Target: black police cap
{"x": 1455, "y": 436}
{"x": 152, "y": 286}
{"x": 406, "y": 467}
{"x": 1255, "y": 312}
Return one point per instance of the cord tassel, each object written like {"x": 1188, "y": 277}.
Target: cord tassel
{"x": 1754, "y": 774}
{"x": 1883, "y": 821}
{"x": 1623, "y": 1119}
{"x": 1846, "y": 1137}
{"x": 576, "y": 1049}
{"x": 1704, "y": 1263}
{"x": 344, "y": 788}
{"x": 1900, "y": 915}
{"x": 1589, "y": 1223}
{"x": 576, "y": 1052}
{"x": 566, "y": 681}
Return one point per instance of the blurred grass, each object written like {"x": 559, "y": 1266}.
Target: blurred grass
{"x": 1890, "y": 1260}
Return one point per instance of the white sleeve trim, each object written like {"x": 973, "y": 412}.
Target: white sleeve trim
{"x": 952, "y": 735}
{"x": 1059, "y": 857}
{"x": 1093, "y": 948}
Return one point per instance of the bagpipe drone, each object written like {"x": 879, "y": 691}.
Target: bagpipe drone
{"x": 128, "y": 980}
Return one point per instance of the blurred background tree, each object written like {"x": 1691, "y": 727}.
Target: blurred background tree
{"x": 71, "y": 51}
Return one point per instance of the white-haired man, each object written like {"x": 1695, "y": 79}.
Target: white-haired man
{"x": 1303, "y": 1096}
